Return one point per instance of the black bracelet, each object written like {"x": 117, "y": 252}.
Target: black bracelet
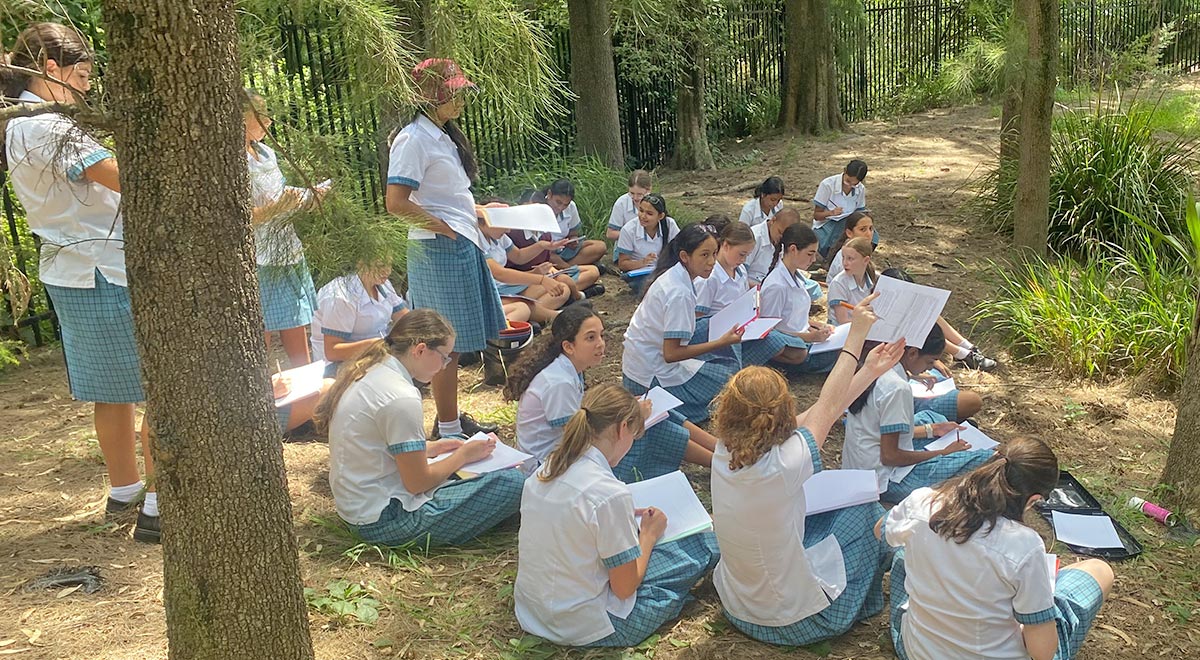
{"x": 850, "y": 354}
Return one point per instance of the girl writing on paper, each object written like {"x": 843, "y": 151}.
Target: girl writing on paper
{"x": 659, "y": 349}
{"x": 625, "y": 208}
{"x": 762, "y": 257}
{"x": 588, "y": 573}
{"x": 768, "y": 200}
{"x": 545, "y": 294}
{"x": 972, "y": 581}
{"x": 384, "y": 486}
{"x": 548, "y": 382}
{"x": 579, "y": 249}
{"x": 785, "y": 578}
{"x": 353, "y": 312}
{"x": 643, "y": 240}
{"x": 784, "y": 295}
{"x": 883, "y": 434}
{"x": 855, "y": 282}
{"x": 836, "y": 198}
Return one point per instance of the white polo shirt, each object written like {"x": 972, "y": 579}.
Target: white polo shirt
{"x": 623, "y": 211}
{"x": 347, "y": 311}
{"x": 497, "y": 250}
{"x": 752, "y": 213}
{"x": 720, "y": 289}
{"x": 758, "y": 262}
{"x": 765, "y": 575}
{"x": 553, "y": 396}
{"x": 829, "y": 195}
{"x": 275, "y": 241}
{"x": 784, "y": 295}
{"x": 668, "y": 311}
{"x": 567, "y": 220}
{"x": 845, "y": 288}
{"x": 573, "y": 530}
{"x": 968, "y": 600}
{"x": 78, "y": 221}
{"x": 378, "y": 417}
{"x": 889, "y": 409}
{"x": 425, "y": 159}
{"x": 635, "y": 242}
{"x": 835, "y": 266}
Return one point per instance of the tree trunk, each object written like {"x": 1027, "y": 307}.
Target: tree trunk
{"x": 1031, "y": 209}
{"x": 1183, "y": 459}
{"x": 1010, "y": 131}
{"x": 231, "y": 571}
{"x": 810, "y": 89}
{"x": 691, "y": 133}
{"x": 594, "y": 80}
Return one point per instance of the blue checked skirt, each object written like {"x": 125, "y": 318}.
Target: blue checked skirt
{"x": 451, "y": 277}
{"x": 658, "y": 452}
{"x": 700, "y": 390}
{"x": 945, "y": 405}
{"x": 1077, "y": 600}
{"x": 288, "y": 296}
{"x": 459, "y": 511}
{"x": 674, "y": 568}
{"x": 935, "y": 470}
{"x": 97, "y": 336}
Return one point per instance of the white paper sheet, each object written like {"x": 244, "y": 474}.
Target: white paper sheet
{"x": 836, "y": 341}
{"x": 830, "y": 490}
{"x": 1052, "y": 566}
{"x": 502, "y": 458}
{"x": 1087, "y": 531}
{"x": 976, "y": 438}
{"x": 530, "y": 217}
{"x": 939, "y": 388}
{"x": 662, "y": 402}
{"x": 673, "y": 495}
{"x": 305, "y": 382}
{"x": 737, "y": 313}
{"x": 759, "y": 327}
{"x": 905, "y": 310}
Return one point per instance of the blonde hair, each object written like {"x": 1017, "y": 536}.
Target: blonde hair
{"x": 641, "y": 179}
{"x": 755, "y": 412}
{"x": 865, "y": 247}
{"x": 421, "y": 326}
{"x": 603, "y": 407}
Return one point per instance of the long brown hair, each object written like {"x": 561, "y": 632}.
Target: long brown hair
{"x": 603, "y": 407}
{"x": 755, "y": 412}
{"x": 536, "y": 358}
{"x": 852, "y": 221}
{"x": 420, "y": 326}
{"x": 1020, "y": 469}
{"x": 37, "y": 44}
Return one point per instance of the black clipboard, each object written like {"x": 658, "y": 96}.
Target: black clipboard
{"x": 1069, "y": 496}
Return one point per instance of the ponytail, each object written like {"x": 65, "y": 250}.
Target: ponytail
{"x": 465, "y": 153}
{"x": 1002, "y": 486}
{"x": 534, "y": 360}
{"x": 798, "y": 235}
{"x": 604, "y": 407}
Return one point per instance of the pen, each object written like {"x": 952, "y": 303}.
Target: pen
{"x": 845, "y": 305}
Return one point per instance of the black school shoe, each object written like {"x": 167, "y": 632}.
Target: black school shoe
{"x": 977, "y": 360}
{"x": 117, "y": 508}
{"x": 469, "y": 426}
{"x": 147, "y": 529}
{"x": 594, "y": 290}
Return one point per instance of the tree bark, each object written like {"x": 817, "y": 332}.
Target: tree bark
{"x": 231, "y": 571}
{"x": 810, "y": 102}
{"x": 1182, "y": 471}
{"x": 1039, "y": 21}
{"x": 594, "y": 80}
{"x": 691, "y": 133}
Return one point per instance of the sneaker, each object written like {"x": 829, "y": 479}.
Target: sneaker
{"x": 605, "y": 269}
{"x": 147, "y": 529}
{"x": 115, "y": 508}
{"x": 594, "y": 290}
{"x": 977, "y": 360}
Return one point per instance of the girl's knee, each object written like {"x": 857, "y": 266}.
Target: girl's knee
{"x": 1100, "y": 570}
{"x": 969, "y": 403}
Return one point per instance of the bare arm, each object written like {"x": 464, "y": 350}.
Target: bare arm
{"x": 1041, "y": 640}
{"x": 625, "y": 579}
{"x": 105, "y": 173}
{"x": 675, "y": 351}
{"x": 419, "y": 475}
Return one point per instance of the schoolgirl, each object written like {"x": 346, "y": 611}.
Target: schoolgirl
{"x": 768, "y": 200}
{"x": 68, "y": 184}
{"x": 430, "y": 169}
{"x": 643, "y": 240}
{"x": 971, "y": 580}
{"x": 855, "y": 282}
{"x": 285, "y": 285}
{"x": 883, "y": 433}
{"x": 659, "y": 347}
{"x": 353, "y": 311}
{"x": 383, "y": 485}
{"x": 548, "y": 382}
{"x": 547, "y": 293}
{"x": 625, "y": 208}
{"x": 858, "y": 225}
{"x": 785, "y": 578}
{"x": 588, "y": 573}
{"x": 560, "y": 197}
{"x": 761, "y": 259}
{"x": 784, "y": 295}
{"x": 836, "y": 198}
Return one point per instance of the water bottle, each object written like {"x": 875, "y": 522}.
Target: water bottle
{"x": 1154, "y": 511}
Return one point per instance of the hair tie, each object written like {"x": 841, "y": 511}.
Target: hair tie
{"x": 586, "y": 413}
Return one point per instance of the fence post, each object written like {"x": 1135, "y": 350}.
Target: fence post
{"x": 937, "y": 36}
{"x": 1091, "y": 55}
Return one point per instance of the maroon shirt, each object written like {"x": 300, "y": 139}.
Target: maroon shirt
{"x": 521, "y": 240}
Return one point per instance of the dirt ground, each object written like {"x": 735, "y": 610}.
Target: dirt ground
{"x": 458, "y": 603}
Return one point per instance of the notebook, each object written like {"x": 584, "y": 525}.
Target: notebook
{"x": 976, "y": 438}
{"x": 662, "y": 403}
{"x": 502, "y": 458}
{"x": 830, "y": 490}
{"x": 920, "y": 391}
{"x": 305, "y": 382}
{"x": 673, "y": 495}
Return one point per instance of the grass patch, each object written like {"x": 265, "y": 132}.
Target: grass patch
{"x": 597, "y": 186}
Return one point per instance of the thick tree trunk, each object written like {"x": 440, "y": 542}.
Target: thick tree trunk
{"x": 1183, "y": 459}
{"x": 1031, "y": 209}
{"x": 1010, "y": 130}
{"x": 594, "y": 80}
{"x": 691, "y": 133}
{"x": 231, "y": 571}
{"x": 810, "y": 89}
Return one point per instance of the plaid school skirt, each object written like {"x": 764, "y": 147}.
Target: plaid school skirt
{"x": 935, "y": 470}
{"x": 659, "y": 451}
{"x": 451, "y": 277}
{"x": 97, "y": 337}
{"x": 288, "y": 296}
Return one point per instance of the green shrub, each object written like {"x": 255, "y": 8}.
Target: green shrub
{"x": 1176, "y": 113}
{"x": 597, "y": 186}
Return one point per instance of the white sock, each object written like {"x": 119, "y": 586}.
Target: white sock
{"x": 967, "y": 344}
{"x": 150, "y": 504}
{"x": 961, "y": 353}
{"x": 125, "y": 493}
{"x": 450, "y": 428}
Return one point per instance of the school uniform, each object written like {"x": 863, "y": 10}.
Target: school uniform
{"x": 347, "y": 311}
{"x": 784, "y": 578}
{"x": 758, "y": 262}
{"x": 574, "y": 529}
{"x": 829, "y": 195}
{"x": 945, "y": 405}
{"x": 82, "y": 258}
{"x": 555, "y": 395}
{"x": 623, "y": 211}
{"x": 379, "y": 417}
{"x": 844, "y": 288}
{"x": 448, "y": 275}
{"x": 668, "y": 311}
{"x": 497, "y": 251}
{"x": 969, "y": 600}
{"x": 785, "y": 295}
{"x": 889, "y": 409}
{"x": 752, "y": 213}
{"x": 568, "y": 221}
{"x": 638, "y": 244}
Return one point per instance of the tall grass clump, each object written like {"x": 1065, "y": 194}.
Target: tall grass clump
{"x": 597, "y": 186}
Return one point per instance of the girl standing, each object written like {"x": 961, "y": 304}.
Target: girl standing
{"x": 837, "y": 197}
{"x": 768, "y": 200}
{"x": 353, "y": 312}
{"x": 384, "y": 486}
{"x": 785, "y": 295}
{"x": 643, "y": 240}
{"x": 972, "y": 582}
{"x": 625, "y": 208}
{"x": 430, "y": 170}
{"x": 785, "y": 578}
{"x": 588, "y": 573}
{"x": 855, "y": 282}
{"x": 68, "y": 184}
